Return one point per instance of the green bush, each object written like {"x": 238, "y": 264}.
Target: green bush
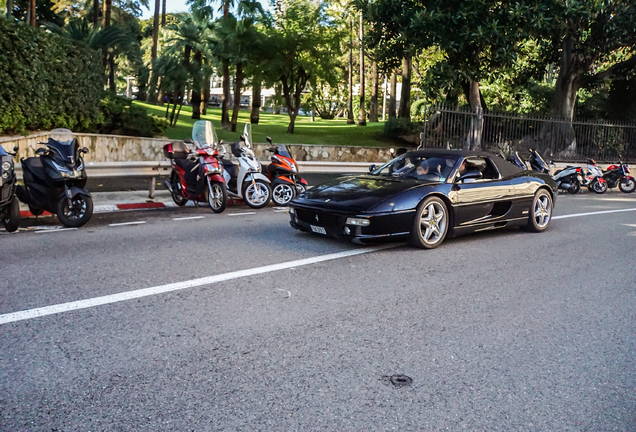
{"x": 396, "y": 127}
{"x": 121, "y": 117}
{"x": 47, "y": 81}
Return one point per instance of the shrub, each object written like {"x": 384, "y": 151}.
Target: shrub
{"x": 121, "y": 117}
{"x": 396, "y": 127}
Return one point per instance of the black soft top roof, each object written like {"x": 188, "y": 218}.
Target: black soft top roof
{"x": 505, "y": 168}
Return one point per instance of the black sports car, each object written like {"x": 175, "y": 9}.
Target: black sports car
{"x": 423, "y": 196}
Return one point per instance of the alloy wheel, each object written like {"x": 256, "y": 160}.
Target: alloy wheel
{"x": 433, "y": 223}
{"x": 542, "y": 211}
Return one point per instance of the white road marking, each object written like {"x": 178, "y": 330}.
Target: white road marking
{"x": 281, "y": 211}
{"x": 188, "y": 218}
{"x": 592, "y": 213}
{"x": 145, "y": 292}
{"x": 241, "y": 214}
{"x": 281, "y": 208}
{"x": 40, "y": 231}
{"x": 127, "y": 223}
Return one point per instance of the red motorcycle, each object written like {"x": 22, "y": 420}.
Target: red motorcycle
{"x": 618, "y": 175}
{"x": 283, "y": 174}
{"x": 197, "y": 174}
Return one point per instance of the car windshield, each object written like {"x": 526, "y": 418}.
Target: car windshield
{"x": 540, "y": 161}
{"x": 283, "y": 150}
{"x": 203, "y": 134}
{"x": 435, "y": 168}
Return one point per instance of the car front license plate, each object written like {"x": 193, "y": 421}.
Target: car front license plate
{"x": 317, "y": 229}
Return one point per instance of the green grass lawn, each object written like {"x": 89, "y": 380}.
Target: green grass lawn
{"x": 320, "y": 132}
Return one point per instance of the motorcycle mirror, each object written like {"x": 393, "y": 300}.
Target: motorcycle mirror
{"x": 188, "y": 141}
{"x": 392, "y": 151}
{"x": 84, "y": 150}
{"x": 16, "y": 148}
{"x": 242, "y": 138}
{"x": 371, "y": 168}
{"x": 40, "y": 151}
{"x": 269, "y": 140}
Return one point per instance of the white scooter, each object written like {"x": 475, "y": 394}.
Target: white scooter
{"x": 246, "y": 181}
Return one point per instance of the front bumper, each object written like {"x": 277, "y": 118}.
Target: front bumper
{"x": 382, "y": 227}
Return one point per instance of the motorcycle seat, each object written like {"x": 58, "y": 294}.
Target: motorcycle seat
{"x": 231, "y": 169}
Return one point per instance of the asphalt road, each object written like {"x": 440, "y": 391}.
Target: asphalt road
{"x": 502, "y": 330}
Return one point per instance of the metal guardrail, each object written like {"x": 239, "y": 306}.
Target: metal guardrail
{"x": 152, "y": 170}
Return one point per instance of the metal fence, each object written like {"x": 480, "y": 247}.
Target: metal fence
{"x": 559, "y": 140}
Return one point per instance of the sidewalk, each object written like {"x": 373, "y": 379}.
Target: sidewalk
{"x": 107, "y": 202}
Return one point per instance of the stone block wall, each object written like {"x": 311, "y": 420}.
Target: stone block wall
{"x": 118, "y": 148}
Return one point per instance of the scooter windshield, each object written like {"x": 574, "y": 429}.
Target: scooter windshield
{"x": 63, "y": 142}
{"x": 247, "y": 134}
{"x": 283, "y": 150}
{"x": 203, "y": 134}
{"x": 3, "y": 152}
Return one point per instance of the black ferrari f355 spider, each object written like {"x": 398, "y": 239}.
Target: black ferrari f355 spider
{"x": 425, "y": 196}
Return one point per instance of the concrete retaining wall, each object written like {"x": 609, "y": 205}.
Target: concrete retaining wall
{"x": 118, "y": 148}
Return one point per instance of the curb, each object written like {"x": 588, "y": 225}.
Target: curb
{"x": 111, "y": 208}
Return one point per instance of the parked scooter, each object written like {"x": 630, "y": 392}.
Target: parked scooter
{"x": 567, "y": 179}
{"x": 54, "y": 180}
{"x": 283, "y": 173}
{"x": 593, "y": 178}
{"x": 9, "y": 205}
{"x": 197, "y": 174}
{"x": 618, "y": 175}
{"x": 246, "y": 181}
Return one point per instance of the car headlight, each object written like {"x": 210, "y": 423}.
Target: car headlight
{"x": 358, "y": 221}
{"x": 6, "y": 166}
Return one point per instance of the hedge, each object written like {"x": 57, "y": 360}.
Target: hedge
{"x": 47, "y": 81}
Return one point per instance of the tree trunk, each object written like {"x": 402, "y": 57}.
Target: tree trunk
{"x": 155, "y": 29}
{"x": 277, "y": 99}
{"x": 10, "y": 8}
{"x": 373, "y": 105}
{"x": 111, "y": 72}
{"x": 225, "y": 100}
{"x": 95, "y": 13}
{"x": 393, "y": 98}
{"x": 206, "y": 94}
{"x": 107, "y": 7}
{"x": 350, "y": 97}
{"x": 174, "y": 106}
{"x": 163, "y": 14}
{"x": 292, "y": 121}
{"x": 405, "y": 96}
{"x": 477, "y": 121}
{"x": 362, "y": 115}
{"x": 32, "y": 13}
{"x": 195, "y": 96}
{"x": 256, "y": 101}
{"x": 237, "y": 95}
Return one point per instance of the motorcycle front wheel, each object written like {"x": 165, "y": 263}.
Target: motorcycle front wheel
{"x": 217, "y": 196}
{"x": 599, "y": 187}
{"x": 283, "y": 193}
{"x": 257, "y": 194}
{"x": 11, "y": 220}
{"x": 627, "y": 184}
{"x": 78, "y": 214}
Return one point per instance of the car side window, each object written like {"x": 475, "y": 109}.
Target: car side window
{"x": 483, "y": 165}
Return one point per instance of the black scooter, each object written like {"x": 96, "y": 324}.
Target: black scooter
{"x": 54, "y": 180}
{"x": 9, "y": 205}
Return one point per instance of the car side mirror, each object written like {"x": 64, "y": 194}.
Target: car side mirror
{"x": 371, "y": 168}
{"x": 269, "y": 140}
{"x": 475, "y": 175}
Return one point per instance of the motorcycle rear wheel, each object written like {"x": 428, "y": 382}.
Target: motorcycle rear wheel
{"x": 217, "y": 196}
{"x": 79, "y": 214}
{"x": 177, "y": 198}
{"x": 576, "y": 187}
{"x": 12, "y": 220}
{"x": 627, "y": 184}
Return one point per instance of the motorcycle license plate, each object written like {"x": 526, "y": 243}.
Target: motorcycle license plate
{"x": 317, "y": 229}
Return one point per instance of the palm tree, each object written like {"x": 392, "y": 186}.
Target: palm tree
{"x": 192, "y": 37}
